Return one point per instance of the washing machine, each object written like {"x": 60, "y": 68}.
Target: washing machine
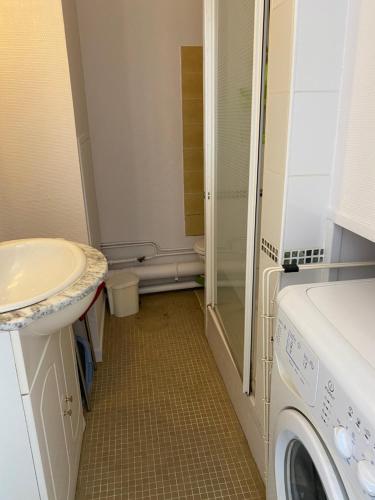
{"x": 322, "y": 413}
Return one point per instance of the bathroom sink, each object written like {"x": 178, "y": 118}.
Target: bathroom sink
{"x": 33, "y": 269}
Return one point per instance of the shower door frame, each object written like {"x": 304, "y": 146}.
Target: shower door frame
{"x": 210, "y": 93}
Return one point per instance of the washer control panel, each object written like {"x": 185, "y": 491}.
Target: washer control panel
{"x": 302, "y": 363}
{"x": 345, "y": 430}
{"x": 348, "y": 432}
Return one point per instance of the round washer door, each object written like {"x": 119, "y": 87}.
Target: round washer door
{"x": 303, "y": 468}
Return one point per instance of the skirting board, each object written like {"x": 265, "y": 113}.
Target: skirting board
{"x": 241, "y": 402}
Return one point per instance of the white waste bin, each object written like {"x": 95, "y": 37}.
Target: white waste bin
{"x": 123, "y": 297}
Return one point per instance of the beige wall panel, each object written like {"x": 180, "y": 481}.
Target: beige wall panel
{"x": 192, "y": 117}
{"x": 194, "y": 225}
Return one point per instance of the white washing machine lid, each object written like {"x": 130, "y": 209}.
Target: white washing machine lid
{"x": 298, "y": 450}
{"x": 350, "y": 308}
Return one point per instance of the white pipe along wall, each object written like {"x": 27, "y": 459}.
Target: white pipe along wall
{"x": 168, "y": 287}
{"x": 175, "y": 270}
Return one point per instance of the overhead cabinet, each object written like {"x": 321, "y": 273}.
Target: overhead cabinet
{"x": 354, "y": 190}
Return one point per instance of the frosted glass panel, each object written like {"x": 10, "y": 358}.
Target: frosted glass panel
{"x": 233, "y": 111}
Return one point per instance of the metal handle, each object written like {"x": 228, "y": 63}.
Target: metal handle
{"x": 69, "y": 399}
{"x": 67, "y": 413}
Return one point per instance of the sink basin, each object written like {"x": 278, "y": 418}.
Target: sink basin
{"x": 33, "y": 269}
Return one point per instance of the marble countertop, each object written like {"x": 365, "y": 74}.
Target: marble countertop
{"x": 95, "y": 273}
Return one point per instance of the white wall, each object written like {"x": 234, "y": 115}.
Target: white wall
{"x": 77, "y": 83}
{"x": 73, "y": 46}
{"x": 40, "y": 181}
{"x": 313, "y": 119}
{"x": 316, "y": 79}
{"x": 347, "y": 246}
{"x": 131, "y": 60}
{"x": 280, "y": 60}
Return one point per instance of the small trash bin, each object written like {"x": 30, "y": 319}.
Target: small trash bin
{"x": 122, "y": 287}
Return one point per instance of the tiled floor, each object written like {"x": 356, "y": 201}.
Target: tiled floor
{"x": 162, "y": 425}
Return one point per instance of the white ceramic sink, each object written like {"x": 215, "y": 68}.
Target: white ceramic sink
{"x": 33, "y": 269}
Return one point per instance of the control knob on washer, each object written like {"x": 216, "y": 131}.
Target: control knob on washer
{"x": 366, "y": 476}
{"x": 343, "y": 441}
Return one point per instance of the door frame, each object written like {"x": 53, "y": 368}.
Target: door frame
{"x": 209, "y": 98}
{"x": 210, "y": 92}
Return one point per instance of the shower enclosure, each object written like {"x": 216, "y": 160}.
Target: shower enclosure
{"x": 234, "y": 55}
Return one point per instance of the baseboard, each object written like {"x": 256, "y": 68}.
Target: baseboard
{"x": 242, "y": 403}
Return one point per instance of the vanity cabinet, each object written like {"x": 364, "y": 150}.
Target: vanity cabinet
{"x": 52, "y": 412}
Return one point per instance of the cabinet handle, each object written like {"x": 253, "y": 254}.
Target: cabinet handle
{"x": 69, "y": 399}
{"x": 67, "y": 412}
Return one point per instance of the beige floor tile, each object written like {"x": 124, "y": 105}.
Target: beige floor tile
{"x": 162, "y": 425}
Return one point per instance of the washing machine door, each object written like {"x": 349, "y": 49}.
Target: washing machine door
{"x": 304, "y": 469}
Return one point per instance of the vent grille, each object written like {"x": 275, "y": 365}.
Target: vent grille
{"x": 303, "y": 256}
{"x": 271, "y": 250}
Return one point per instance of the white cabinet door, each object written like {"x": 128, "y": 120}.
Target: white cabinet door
{"x": 47, "y": 404}
{"x": 54, "y": 416}
{"x": 74, "y": 420}
{"x": 73, "y": 394}
{"x": 17, "y": 473}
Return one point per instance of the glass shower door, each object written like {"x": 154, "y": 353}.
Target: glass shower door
{"x": 235, "y": 21}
